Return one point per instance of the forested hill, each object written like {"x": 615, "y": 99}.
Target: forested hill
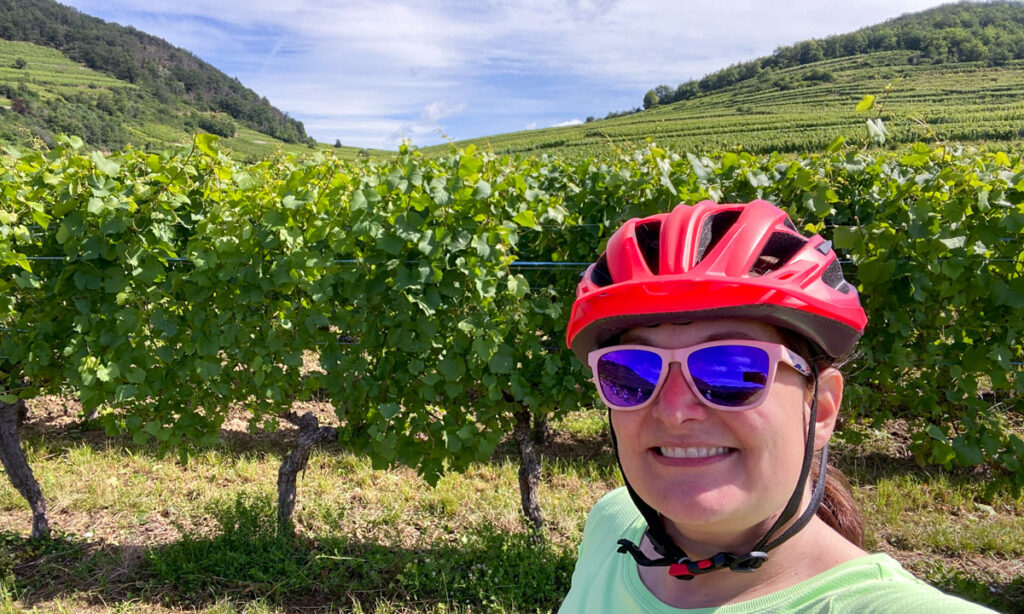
{"x": 166, "y": 73}
{"x": 966, "y": 32}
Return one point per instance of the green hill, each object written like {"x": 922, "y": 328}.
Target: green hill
{"x": 951, "y": 73}
{"x": 62, "y": 71}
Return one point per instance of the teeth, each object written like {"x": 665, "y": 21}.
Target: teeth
{"x": 692, "y": 452}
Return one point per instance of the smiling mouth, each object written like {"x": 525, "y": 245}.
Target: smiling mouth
{"x": 673, "y": 452}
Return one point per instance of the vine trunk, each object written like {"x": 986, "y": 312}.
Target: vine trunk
{"x": 18, "y": 469}
{"x": 529, "y": 466}
{"x": 310, "y": 434}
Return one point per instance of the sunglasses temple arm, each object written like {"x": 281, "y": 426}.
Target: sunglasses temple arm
{"x": 798, "y": 362}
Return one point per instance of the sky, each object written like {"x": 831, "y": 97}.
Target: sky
{"x": 375, "y": 73}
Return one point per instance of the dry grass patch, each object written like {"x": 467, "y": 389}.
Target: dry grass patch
{"x": 148, "y": 532}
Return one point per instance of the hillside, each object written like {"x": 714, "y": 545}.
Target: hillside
{"x": 64, "y": 71}
{"x": 992, "y": 33}
{"x": 964, "y": 83}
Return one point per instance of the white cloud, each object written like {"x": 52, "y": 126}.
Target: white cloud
{"x": 571, "y": 122}
{"x": 439, "y": 110}
{"x": 531, "y": 126}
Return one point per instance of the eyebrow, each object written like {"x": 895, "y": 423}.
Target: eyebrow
{"x": 732, "y": 335}
{"x": 630, "y": 337}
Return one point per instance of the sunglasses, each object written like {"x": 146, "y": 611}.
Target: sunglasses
{"x": 729, "y": 375}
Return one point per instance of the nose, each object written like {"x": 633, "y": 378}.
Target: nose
{"x": 677, "y": 403}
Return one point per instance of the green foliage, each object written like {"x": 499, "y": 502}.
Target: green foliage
{"x": 170, "y": 288}
{"x": 446, "y": 338}
{"x": 219, "y": 125}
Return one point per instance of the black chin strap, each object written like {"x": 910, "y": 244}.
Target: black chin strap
{"x": 675, "y": 558}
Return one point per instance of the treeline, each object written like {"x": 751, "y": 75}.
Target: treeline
{"x": 992, "y": 33}
{"x": 165, "y": 72}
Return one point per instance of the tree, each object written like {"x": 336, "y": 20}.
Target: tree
{"x": 650, "y": 99}
{"x": 809, "y": 52}
{"x": 972, "y": 51}
{"x": 665, "y": 94}
{"x": 935, "y": 48}
{"x": 219, "y": 125}
{"x": 999, "y": 54}
{"x": 337, "y": 143}
{"x": 686, "y": 91}
{"x": 20, "y": 63}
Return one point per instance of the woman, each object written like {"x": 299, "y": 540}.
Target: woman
{"x": 712, "y": 332}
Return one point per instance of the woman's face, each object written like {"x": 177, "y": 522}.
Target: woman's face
{"x": 717, "y": 473}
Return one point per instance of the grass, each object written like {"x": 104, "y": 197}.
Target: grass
{"x": 138, "y": 531}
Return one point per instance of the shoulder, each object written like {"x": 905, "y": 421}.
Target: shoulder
{"x": 878, "y": 583}
{"x": 614, "y": 504}
{"x": 602, "y": 581}
{"x": 613, "y": 514}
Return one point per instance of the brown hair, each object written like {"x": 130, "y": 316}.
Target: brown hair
{"x": 838, "y": 508}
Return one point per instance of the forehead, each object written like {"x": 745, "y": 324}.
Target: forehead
{"x": 692, "y": 333}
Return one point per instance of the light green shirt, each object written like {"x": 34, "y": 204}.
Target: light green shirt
{"x": 607, "y": 581}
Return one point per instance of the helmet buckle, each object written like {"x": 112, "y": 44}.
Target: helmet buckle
{"x": 748, "y": 562}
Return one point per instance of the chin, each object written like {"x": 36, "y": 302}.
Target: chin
{"x": 691, "y": 505}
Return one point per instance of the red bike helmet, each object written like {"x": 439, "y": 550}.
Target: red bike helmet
{"x": 716, "y": 261}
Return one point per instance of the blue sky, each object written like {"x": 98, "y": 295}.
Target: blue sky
{"x": 371, "y": 73}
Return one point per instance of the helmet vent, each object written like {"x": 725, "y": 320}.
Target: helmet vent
{"x": 788, "y": 223}
{"x": 600, "y": 274}
{"x": 833, "y": 277}
{"x": 648, "y": 238}
{"x": 714, "y": 228}
{"x": 779, "y": 249}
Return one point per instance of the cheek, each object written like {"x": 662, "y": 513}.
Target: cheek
{"x": 626, "y": 426}
{"x": 785, "y": 432}
{"x": 628, "y": 429}
{"x": 778, "y": 429}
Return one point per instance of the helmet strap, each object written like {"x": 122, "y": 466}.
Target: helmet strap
{"x": 675, "y": 558}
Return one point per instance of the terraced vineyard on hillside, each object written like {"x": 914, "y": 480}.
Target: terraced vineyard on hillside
{"x": 50, "y": 70}
{"x": 44, "y": 86}
{"x": 806, "y": 108}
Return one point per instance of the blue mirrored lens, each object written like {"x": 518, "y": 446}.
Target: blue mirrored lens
{"x": 628, "y": 377}
{"x": 730, "y": 375}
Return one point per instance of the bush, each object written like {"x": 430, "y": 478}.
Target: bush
{"x": 214, "y": 124}
{"x": 820, "y": 75}
{"x": 19, "y": 106}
